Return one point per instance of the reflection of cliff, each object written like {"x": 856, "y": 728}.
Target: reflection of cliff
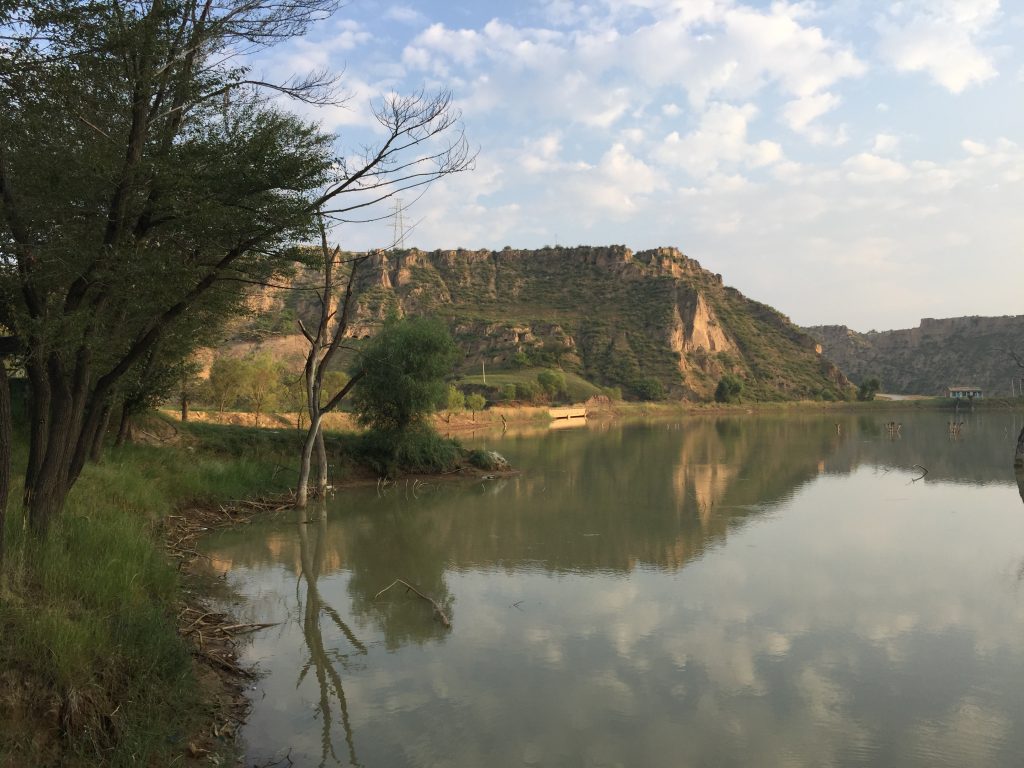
{"x": 632, "y": 495}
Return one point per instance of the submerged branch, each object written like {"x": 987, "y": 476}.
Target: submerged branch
{"x": 442, "y": 617}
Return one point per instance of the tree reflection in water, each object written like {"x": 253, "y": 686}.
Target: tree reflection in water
{"x": 324, "y": 662}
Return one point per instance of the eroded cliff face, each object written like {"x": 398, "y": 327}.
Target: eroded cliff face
{"x": 648, "y": 321}
{"x": 615, "y": 316}
{"x": 937, "y": 354}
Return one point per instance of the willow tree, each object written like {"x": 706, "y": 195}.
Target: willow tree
{"x": 144, "y": 173}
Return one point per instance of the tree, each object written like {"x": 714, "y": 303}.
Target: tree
{"x": 1018, "y": 456}
{"x": 262, "y": 384}
{"x": 552, "y": 382}
{"x": 729, "y": 389}
{"x": 145, "y": 175}
{"x": 6, "y": 438}
{"x": 227, "y": 375}
{"x": 323, "y": 346}
{"x": 402, "y": 372}
{"x": 649, "y": 389}
{"x": 475, "y": 402}
{"x": 868, "y": 389}
{"x": 455, "y": 401}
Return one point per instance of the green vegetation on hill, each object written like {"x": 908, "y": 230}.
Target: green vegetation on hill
{"x": 652, "y": 324}
{"x": 939, "y": 353}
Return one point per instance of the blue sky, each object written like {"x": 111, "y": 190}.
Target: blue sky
{"x": 847, "y": 162}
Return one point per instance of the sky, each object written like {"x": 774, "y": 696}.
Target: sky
{"x": 848, "y": 162}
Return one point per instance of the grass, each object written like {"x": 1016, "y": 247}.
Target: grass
{"x": 578, "y": 388}
{"x": 92, "y": 671}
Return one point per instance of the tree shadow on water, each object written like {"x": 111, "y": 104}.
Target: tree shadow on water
{"x": 323, "y": 661}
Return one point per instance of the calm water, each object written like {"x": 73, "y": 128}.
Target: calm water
{"x": 748, "y": 591}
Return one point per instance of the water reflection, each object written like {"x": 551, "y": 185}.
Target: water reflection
{"x": 771, "y": 591}
{"x": 324, "y": 663}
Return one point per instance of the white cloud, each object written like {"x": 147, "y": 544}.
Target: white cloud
{"x": 867, "y": 168}
{"x": 404, "y": 15}
{"x": 941, "y": 38}
{"x": 974, "y": 148}
{"x": 885, "y": 143}
{"x": 707, "y": 51}
{"x": 802, "y": 116}
{"x": 351, "y": 34}
{"x": 719, "y": 140}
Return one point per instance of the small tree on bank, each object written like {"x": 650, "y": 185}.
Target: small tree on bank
{"x": 729, "y": 390}
{"x": 868, "y": 389}
{"x": 402, "y": 372}
{"x": 475, "y": 402}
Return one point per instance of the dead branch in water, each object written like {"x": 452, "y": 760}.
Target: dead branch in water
{"x": 442, "y": 617}
{"x": 925, "y": 471}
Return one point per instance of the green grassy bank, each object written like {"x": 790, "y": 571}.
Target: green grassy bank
{"x": 92, "y": 670}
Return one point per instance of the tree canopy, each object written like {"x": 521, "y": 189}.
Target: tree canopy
{"x": 403, "y": 374}
{"x": 146, "y": 178}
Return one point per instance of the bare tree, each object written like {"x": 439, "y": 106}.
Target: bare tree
{"x": 323, "y": 347}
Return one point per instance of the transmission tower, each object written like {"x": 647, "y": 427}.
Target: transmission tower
{"x": 398, "y": 234}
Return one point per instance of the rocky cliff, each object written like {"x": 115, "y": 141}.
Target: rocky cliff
{"x": 938, "y": 353}
{"x": 652, "y": 321}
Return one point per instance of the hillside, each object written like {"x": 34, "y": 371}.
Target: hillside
{"x": 652, "y": 323}
{"x": 927, "y": 359}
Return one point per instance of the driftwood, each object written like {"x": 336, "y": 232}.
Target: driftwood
{"x": 925, "y": 471}
{"x": 441, "y": 616}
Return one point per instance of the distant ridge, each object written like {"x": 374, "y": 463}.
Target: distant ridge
{"x": 649, "y": 321}
{"x": 937, "y": 354}
{"x": 653, "y": 323}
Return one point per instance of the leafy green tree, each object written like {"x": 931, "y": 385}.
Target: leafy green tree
{"x": 528, "y": 392}
{"x": 456, "y": 400}
{"x": 263, "y": 384}
{"x": 402, "y": 373}
{"x": 552, "y": 382}
{"x": 729, "y": 389}
{"x": 475, "y": 402}
{"x": 868, "y": 389}
{"x": 227, "y": 378}
{"x": 141, "y": 168}
{"x": 649, "y": 389}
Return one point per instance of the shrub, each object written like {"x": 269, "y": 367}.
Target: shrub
{"x": 729, "y": 389}
{"x": 868, "y": 389}
{"x": 552, "y": 383}
{"x": 403, "y": 370}
{"x": 415, "y": 449}
{"x": 649, "y": 389}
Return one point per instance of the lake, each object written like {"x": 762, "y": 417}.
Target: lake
{"x": 758, "y": 590}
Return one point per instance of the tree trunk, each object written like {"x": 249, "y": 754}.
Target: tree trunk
{"x": 96, "y": 452}
{"x": 6, "y": 438}
{"x": 124, "y": 428}
{"x": 1018, "y": 460}
{"x": 321, "y": 454}
{"x": 305, "y": 463}
{"x": 39, "y": 428}
{"x": 184, "y": 407}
